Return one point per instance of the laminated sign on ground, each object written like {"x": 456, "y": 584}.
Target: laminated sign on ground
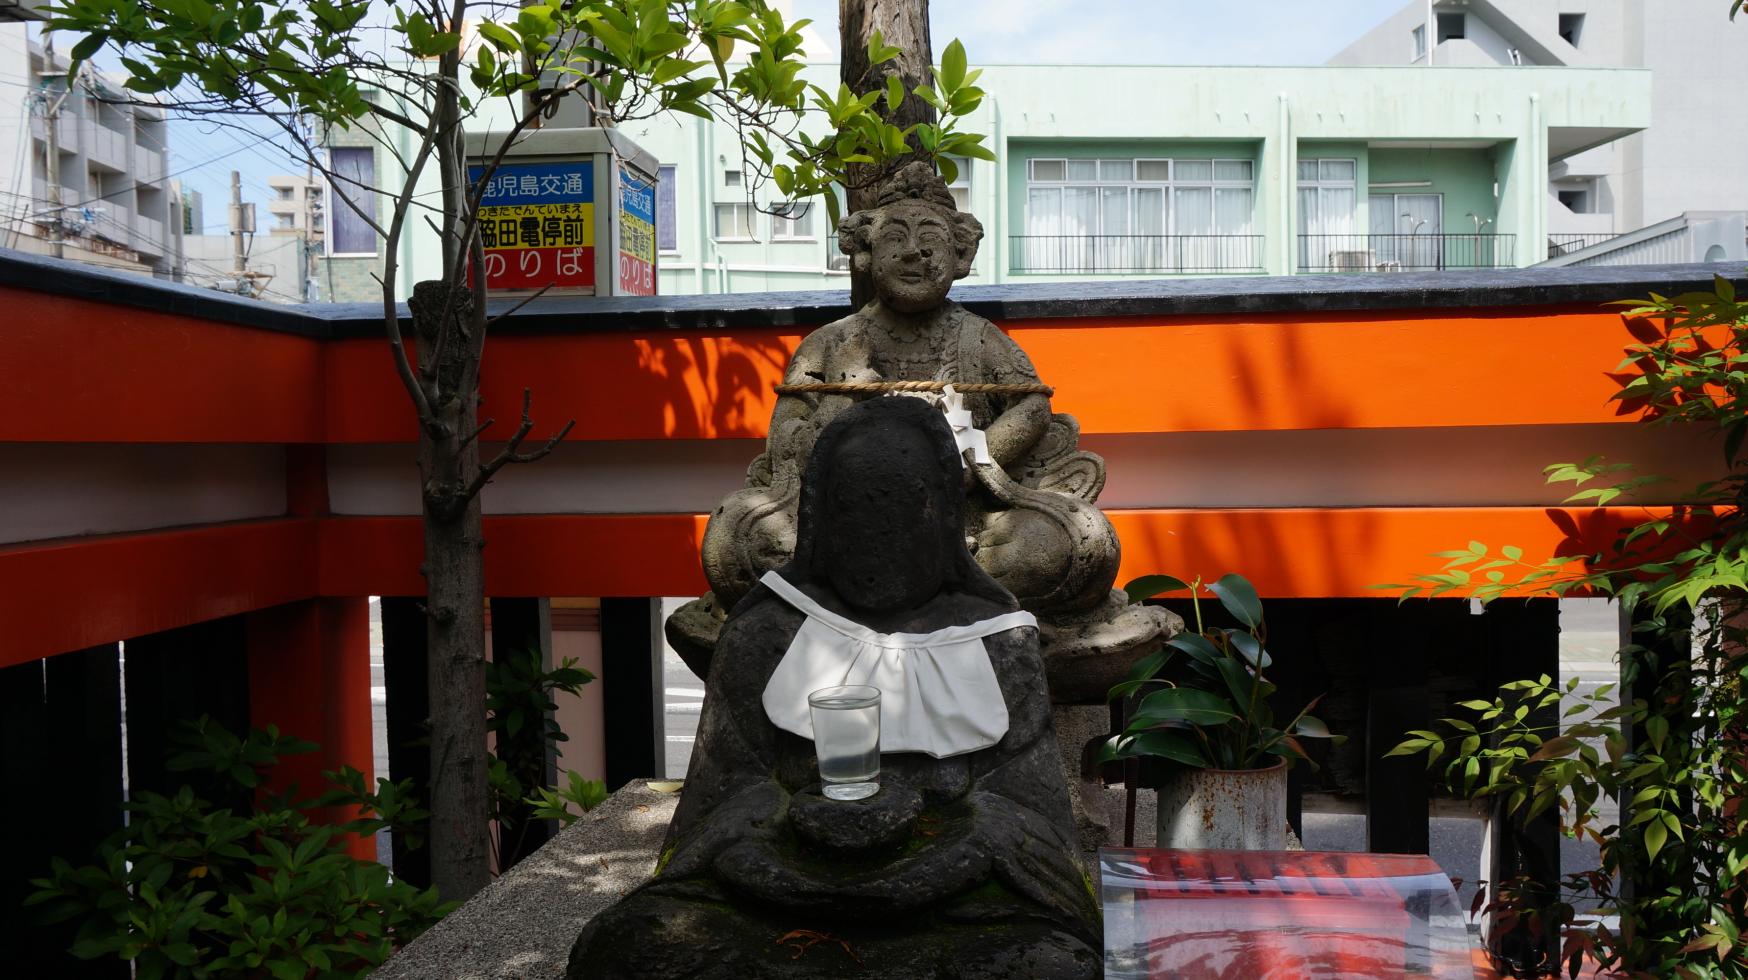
{"x": 537, "y": 221}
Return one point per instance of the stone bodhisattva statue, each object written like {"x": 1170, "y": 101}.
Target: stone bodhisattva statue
{"x": 1030, "y": 518}
{"x": 960, "y": 866}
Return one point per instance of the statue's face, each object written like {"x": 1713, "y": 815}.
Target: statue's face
{"x": 914, "y": 261}
{"x": 880, "y": 538}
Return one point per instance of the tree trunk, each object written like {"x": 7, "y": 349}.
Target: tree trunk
{"x": 454, "y": 572}
{"x": 903, "y": 24}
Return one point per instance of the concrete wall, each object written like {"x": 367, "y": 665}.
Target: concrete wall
{"x": 1684, "y": 162}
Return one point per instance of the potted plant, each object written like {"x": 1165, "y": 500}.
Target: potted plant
{"x": 1211, "y": 721}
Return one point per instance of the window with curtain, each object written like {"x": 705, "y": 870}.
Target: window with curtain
{"x": 667, "y": 233}
{"x": 734, "y": 221}
{"x": 792, "y": 222}
{"x": 1329, "y": 215}
{"x": 1138, "y": 215}
{"x": 354, "y": 170}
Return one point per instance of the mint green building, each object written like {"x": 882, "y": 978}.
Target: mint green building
{"x": 1106, "y": 172}
{"x": 1123, "y": 171}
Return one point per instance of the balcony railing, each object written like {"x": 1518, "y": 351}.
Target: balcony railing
{"x": 148, "y": 164}
{"x": 103, "y": 145}
{"x": 1404, "y": 253}
{"x": 1135, "y": 253}
{"x": 1565, "y": 244}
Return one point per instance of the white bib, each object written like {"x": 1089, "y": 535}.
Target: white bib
{"x": 938, "y": 692}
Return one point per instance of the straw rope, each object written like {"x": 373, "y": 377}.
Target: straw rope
{"x": 872, "y": 387}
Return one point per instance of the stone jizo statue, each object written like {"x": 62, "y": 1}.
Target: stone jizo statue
{"x": 963, "y": 866}
{"x": 1029, "y": 512}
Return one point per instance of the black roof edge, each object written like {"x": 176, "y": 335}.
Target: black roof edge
{"x": 1478, "y": 288}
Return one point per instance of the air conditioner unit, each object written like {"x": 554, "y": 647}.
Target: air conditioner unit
{"x": 1354, "y": 260}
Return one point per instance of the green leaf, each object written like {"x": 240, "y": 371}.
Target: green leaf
{"x": 1197, "y": 646}
{"x": 1181, "y": 704}
{"x": 894, "y": 92}
{"x": 1149, "y": 586}
{"x": 88, "y": 45}
{"x": 952, "y": 73}
{"x": 1554, "y": 748}
{"x": 1250, "y": 648}
{"x": 1163, "y": 745}
{"x": 1240, "y": 599}
{"x": 1238, "y": 680}
{"x": 1655, "y": 836}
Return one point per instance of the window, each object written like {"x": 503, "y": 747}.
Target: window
{"x": 734, "y": 221}
{"x": 1328, "y": 212}
{"x": 1451, "y": 27}
{"x": 286, "y": 220}
{"x": 1137, "y": 215}
{"x": 731, "y": 178}
{"x": 960, "y": 187}
{"x": 667, "y": 235}
{"x": 283, "y": 192}
{"x": 355, "y": 170}
{"x": 792, "y": 222}
{"x": 1420, "y": 42}
{"x": 1576, "y": 201}
{"x": 1571, "y": 26}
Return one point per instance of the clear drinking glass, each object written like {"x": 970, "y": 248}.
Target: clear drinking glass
{"x": 846, "y": 737}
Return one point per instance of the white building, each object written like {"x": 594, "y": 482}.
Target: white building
{"x": 1688, "y": 160}
{"x": 114, "y": 206}
{"x": 296, "y": 206}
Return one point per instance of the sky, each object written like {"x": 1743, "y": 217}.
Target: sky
{"x": 1142, "y": 32}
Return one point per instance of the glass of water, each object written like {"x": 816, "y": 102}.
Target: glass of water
{"x": 846, "y": 737}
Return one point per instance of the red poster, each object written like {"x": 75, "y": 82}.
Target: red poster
{"x": 565, "y": 267}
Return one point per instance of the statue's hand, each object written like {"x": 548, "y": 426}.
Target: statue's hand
{"x": 994, "y": 480}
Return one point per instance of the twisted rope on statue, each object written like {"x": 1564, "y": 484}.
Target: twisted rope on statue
{"x": 874, "y": 387}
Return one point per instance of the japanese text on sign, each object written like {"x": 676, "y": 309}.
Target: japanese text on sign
{"x": 637, "y": 234}
{"x": 537, "y": 223}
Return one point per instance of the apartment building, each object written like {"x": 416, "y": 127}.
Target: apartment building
{"x": 296, "y": 206}
{"x": 1688, "y": 161}
{"x": 1147, "y": 171}
{"x": 103, "y": 193}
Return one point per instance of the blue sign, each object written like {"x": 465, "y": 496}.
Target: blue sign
{"x": 636, "y": 196}
{"x": 571, "y": 182}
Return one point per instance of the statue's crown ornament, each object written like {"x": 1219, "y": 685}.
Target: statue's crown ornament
{"x": 916, "y": 181}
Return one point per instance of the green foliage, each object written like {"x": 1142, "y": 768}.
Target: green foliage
{"x": 1675, "y": 757}
{"x": 556, "y": 804}
{"x": 193, "y": 889}
{"x": 1216, "y": 715}
{"x": 733, "y": 60}
{"x": 520, "y": 704}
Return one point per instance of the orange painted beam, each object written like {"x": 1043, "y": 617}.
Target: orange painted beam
{"x": 83, "y": 371}
{"x": 542, "y": 555}
{"x": 74, "y": 593}
{"x": 1392, "y": 369}
{"x": 1133, "y": 374}
{"x": 1294, "y": 553}
{"x": 662, "y": 384}
{"x": 1285, "y": 552}
{"x": 71, "y": 594}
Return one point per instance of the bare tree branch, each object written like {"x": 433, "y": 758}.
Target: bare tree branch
{"x": 521, "y": 303}
{"x": 509, "y": 453}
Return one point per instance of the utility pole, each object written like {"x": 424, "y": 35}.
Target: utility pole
{"x": 52, "y": 165}
{"x": 239, "y": 261}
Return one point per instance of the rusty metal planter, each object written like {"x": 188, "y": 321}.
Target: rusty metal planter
{"x": 1225, "y": 809}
